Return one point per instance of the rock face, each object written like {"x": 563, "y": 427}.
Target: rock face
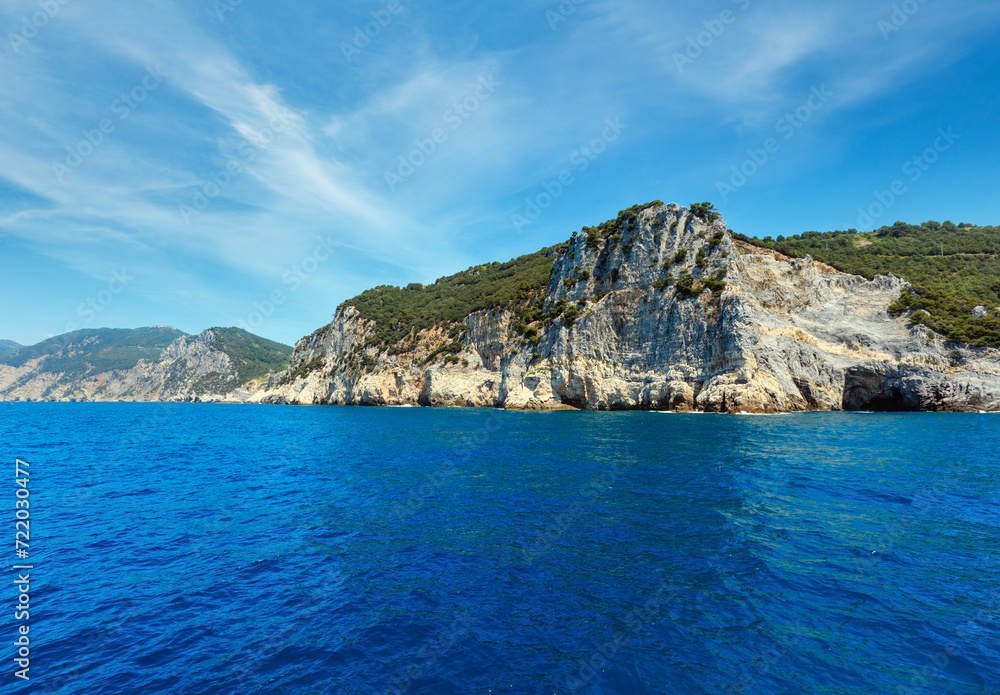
{"x": 189, "y": 369}
{"x": 784, "y": 335}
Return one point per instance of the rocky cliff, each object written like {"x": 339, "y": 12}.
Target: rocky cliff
{"x": 81, "y": 367}
{"x": 665, "y": 312}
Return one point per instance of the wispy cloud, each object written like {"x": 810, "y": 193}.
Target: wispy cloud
{"x": 285, "y": 141}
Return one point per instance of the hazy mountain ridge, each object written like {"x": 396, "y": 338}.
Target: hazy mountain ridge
{"x": 145, "y": 364}
{"x": 8, "y": 347}
{"x": 660, "y": 308}
{"x": 95, "y": 350}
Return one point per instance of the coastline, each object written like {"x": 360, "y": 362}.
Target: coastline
{"x": 563, "y": 408}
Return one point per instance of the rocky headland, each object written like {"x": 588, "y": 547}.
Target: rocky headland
{"x": 671, "y": 313}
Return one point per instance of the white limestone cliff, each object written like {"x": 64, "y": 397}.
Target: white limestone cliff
{"x": 784, "y": 335}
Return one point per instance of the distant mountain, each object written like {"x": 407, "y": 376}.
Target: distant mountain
{"x": 8, "y": 347}
{"x": 157, "y": 363}
{"x": 93, "y": 351}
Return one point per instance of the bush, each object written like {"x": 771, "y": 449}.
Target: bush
{"x": 686, "y": 287}
{"x": 705, "y": 211}
{"x": 570, "y": 314}
{"x": 717, "y": 285}
{"x": 680, "y": 256}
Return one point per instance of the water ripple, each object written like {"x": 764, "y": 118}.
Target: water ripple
{"x": 187, "y": 549}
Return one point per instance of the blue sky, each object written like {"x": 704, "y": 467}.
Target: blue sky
{"x": 255, "y": 164}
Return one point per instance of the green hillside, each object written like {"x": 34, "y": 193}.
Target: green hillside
{"x": 256, "y": 356}
{"x": 953, "y": 269}
{"x": 519, "y": 283}
{"x": 96, "y": 350}
{"x": 8, "y": 347}
{"x": 397, "y": 311}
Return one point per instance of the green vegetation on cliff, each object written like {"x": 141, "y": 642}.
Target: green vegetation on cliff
{"x": 612, "y": 229}
{"x": 706, "y": 212}
{"x": 255, "y": 356}
{"x": 953, "y": 269}
{"x": 397, "y": 311}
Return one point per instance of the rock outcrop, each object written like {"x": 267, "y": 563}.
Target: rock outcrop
{"x": 783, "y": 335}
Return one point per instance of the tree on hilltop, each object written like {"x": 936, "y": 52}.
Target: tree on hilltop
{"x": 705, "y": 212}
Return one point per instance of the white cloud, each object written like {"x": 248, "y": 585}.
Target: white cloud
{"x": 322, "y": 172}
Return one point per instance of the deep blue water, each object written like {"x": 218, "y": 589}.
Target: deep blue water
{"x": 236, "y": 549}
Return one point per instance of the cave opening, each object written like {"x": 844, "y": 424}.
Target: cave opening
{"x": 864, "y": 390}
{"x": 884, "y": 404}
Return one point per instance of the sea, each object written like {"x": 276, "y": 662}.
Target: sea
{"x": 192, "y": 549}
